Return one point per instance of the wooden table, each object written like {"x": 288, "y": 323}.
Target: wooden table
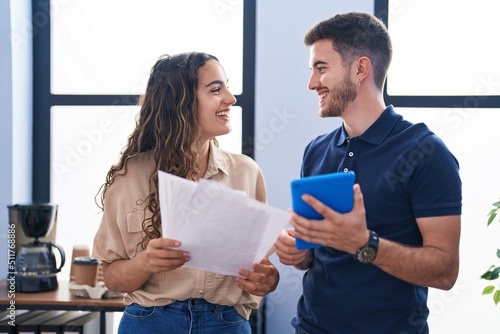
{"x": 60, "y": 299}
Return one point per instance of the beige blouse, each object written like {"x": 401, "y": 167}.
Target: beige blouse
{"x": 120, "y": 232}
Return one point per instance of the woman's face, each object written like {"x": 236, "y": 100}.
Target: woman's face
{"x": 214, "y": 101}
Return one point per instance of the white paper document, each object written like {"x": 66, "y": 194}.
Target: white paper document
{"x": 222, "y": 229}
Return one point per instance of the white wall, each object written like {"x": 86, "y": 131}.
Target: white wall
{"x": 15, "y": 117}
{"x": 287, "y": 117}
{"x": 22, "y": 99}
{"x": 5, "y": 129}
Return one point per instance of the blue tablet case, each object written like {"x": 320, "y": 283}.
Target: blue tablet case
{"x": 334, "y": 190}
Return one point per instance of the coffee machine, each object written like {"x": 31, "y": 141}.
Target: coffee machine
{"x": 36, "y": 264}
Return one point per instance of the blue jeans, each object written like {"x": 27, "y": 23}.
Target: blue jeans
{"x": 192, "y": 316}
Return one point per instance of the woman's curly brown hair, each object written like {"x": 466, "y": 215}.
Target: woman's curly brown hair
{"x": 168, "y": 125}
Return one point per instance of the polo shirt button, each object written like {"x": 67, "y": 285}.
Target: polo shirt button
{"x": 200, "y": 293}
{"x": 351, "y": 154}
{"x": 346, "y": 169}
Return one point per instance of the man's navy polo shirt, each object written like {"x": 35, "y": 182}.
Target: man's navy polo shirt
{"x": 405, "y": 172}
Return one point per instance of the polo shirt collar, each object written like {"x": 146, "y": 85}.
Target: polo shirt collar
{"x": 378, "y": 131}
{"x": 216, "y": 162}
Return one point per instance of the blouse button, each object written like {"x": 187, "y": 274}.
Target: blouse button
{"x": 200, "y": 293}
{"x": 346, "y": 169}
{"x": 351, "y": 154}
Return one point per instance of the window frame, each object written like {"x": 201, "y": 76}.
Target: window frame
{"x": 43, "y": 100}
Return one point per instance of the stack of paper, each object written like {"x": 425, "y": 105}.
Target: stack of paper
{"x": 222, "y": 229}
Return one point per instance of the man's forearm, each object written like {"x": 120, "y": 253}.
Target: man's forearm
{"x": 424, "y": 266}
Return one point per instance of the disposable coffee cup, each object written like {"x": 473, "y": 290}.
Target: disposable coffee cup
{"x": 85, "y": 269}
{"x": 78, "y": 250}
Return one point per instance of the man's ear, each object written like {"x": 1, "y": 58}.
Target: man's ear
{"x": 361, "y": 69}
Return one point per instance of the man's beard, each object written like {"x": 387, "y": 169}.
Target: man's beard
{"x": 340, "y": 96}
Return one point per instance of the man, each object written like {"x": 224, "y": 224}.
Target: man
{"x": 372, "y": 273}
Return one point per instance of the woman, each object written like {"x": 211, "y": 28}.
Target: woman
{"x": 186, "y": 105}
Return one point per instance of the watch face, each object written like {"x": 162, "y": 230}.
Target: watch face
{"x": 367, "y": 255}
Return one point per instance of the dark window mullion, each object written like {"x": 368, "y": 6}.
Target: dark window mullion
{"x": 443, "y": 101}
{"x": 102, "y": 100}
{"x": 94, "y": 100}
{"x": 247, "y": 99}
{"x": 41, "y": 100}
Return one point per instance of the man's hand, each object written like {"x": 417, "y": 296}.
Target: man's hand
{"x": 261, "y": 281}
{"x": 288, "y": 253}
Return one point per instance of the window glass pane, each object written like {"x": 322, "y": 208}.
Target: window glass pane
{"x": 472, "y": 135}
{"x": 108, "y": 47}
{"x": 444, "y": 47}
{"x": 85, "y": 142}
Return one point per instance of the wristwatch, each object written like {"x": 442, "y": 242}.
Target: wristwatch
{"x": 368, "y": 253}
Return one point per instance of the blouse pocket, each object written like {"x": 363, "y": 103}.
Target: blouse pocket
{"x": 134, "y": 232}
{"x": 134, "y": 220}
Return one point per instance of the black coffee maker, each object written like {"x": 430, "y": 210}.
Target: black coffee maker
{"x": 36, "y": 264}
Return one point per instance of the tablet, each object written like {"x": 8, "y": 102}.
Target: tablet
{"x": 334, "y": 190}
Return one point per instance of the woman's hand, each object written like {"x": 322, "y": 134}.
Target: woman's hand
{"x": 129, "y": 275}
{"x": 161, "y": 255}
{"x": 261, "y": 281}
